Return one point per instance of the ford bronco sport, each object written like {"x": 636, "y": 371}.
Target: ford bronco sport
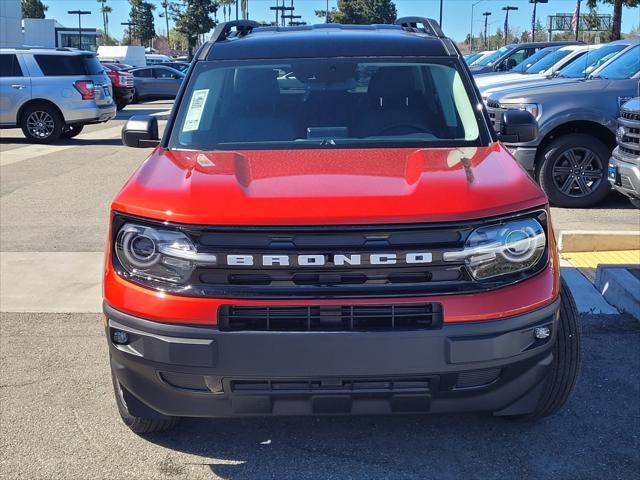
{"x": 350, "y": 239}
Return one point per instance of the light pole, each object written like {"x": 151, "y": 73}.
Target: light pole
{"x": 507, "y": 9}
{"x": 79, "y": 13}
{"x": 533, "y": 17}
{"x": 165, "y": 5}
{"x": 486, "y": 17}
{"x": 129, "y": 25}
{"x": 471, "y": 29}
{"x": 441, "y": 14}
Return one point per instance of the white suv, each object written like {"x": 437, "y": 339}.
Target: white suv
{"x": 52, "y": 93}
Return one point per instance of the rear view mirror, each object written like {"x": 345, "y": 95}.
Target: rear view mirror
{"x": 518, "y": 126}
{"x": 141, "y": 131}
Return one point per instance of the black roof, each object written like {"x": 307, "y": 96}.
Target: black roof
{"x": 327, "y": 40}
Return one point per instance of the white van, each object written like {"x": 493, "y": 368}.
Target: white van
{"x": 155, "y": 58}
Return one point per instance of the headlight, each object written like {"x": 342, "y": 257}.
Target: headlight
{"x": 154, "y": 254}
{"x": 532, "y": 108}
{"x": 504, "y": 249}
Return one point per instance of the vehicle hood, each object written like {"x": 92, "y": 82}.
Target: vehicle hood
{"x": 484, "y": 79}
{"x": 329, "y": 186}
{"x": 563, "y": 92}
{"x": 497, "y": 92}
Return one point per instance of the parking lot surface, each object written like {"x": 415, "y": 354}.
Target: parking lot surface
{"x": 57, "y": 414}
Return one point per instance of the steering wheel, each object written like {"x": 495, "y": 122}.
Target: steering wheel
{"x": 405, "y": 126}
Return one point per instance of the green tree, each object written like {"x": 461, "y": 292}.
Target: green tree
{"x": 105, "y": 10}
{"x": 194, "y": 19}
{"x": 141, "y": 17}
{"x": 616, "y": 20}
{"x": 33, "y": 9}
{"x": 362, "y": 12}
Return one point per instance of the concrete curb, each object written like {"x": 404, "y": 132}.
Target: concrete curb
{"x": 596, "y": 241}
{"x": 620, "y": 288}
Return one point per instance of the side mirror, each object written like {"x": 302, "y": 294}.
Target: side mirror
{"x": 518, "y": 126}
{"x": 141, "y": 131}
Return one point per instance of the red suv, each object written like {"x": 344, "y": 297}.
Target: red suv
{"x": 330, "y": 225}
{"x": 122, "y": 83}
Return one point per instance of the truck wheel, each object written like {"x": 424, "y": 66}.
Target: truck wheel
{"x": 71, "y": 131}
{"x": 567, "y": 358}
{"x": 120, "y": 105}
{"x": 573, "y": 171}
{"x": 41, "y": 123}
{"x": 140, "y": 425}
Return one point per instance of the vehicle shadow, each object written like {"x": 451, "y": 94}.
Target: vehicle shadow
{"x": 78, "y": 141}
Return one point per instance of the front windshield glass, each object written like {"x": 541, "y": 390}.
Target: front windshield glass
{"x": 547, "y": 62}
{"x": 332, "y": 103}
{"x": 489, "y": 59}
{"x": 625, "y": 66}
{"x": 471, "y": 58}
{"x": 527, "y": 62}
{"x": 583, "y": 66}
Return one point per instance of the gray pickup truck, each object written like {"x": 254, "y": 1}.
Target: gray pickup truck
{"x": 624, "y": 166}
{"x": 577, "y": 125}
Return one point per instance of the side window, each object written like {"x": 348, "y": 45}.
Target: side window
{"x": 9, "y": 66}
{"x": 60, "y": 65}
{"x": 162, "y": 73}
{"x": 144, "y": 73}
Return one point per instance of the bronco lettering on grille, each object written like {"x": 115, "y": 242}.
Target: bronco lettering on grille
{"x": 320, "y": 260}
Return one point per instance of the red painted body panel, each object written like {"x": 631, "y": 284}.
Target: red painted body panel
{"x": 312, "y": 187}
{"x": 330, "y": 186}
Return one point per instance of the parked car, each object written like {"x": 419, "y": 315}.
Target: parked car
{"x": 541, "y": 65}
{"x": 484, "y": 54}
{"x": 118, "y": 66}
{"x": 472, "y": 57}
{"x": 156, "y": 82}
{"x": 52, "y": 93}
{"x": 509, "y": 56}
{"x": 156, "y": 58}
{"x": 333, "y": 250}
{"x": 122, "y": 84}
{"x": 624, "y": 166}
{"x": 576, "y": 71}
{"x": 571, "y": 153}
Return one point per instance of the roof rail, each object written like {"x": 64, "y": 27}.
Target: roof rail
{"x": 223, "y": 30}
{"x": 430, "y": 26}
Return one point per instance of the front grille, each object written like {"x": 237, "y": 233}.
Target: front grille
{"x": 408, "y": 275}
{"x": 330, "y": 318}
{"x": 629, "y": 134}
{"x": 363, "y": 385}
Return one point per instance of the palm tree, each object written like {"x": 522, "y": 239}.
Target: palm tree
{"x": 105, "y": 10}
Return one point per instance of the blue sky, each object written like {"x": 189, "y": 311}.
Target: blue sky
{"x": 456, "y": 18}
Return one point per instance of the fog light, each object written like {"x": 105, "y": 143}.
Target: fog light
{"x": 541, "y": 333}
{"x": 120, "y": 337}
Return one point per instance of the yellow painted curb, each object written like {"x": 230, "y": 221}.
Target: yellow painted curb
{"x": 596, "y": 241}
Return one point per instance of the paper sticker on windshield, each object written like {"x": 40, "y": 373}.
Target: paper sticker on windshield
{"x": 194, "y": 114}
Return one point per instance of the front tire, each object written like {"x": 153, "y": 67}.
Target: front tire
{"x": 41, "y": 123}
{"x": 567, "y": 359}
{"x": 573, "y": 171}
{"x": 140, "y": 425}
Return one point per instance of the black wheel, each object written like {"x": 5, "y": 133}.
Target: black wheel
{"x": 567, "y": 358}
{"x": 41, "y": 123}
{"x": 573, "y": 171}
{"x": 120, "y": 105}
{"x": 140, "y": 425}
{"x": 71, "y": 131}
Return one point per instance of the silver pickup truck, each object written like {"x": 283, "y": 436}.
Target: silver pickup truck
{"x": 624, "y": 166}
{"x": 577, "y": 125}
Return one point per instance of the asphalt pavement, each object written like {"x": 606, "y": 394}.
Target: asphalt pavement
{"x": 57, "y": 414}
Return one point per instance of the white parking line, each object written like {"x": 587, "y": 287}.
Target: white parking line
{"x": 28, "y": 152}
{"x": 51, "y": 282}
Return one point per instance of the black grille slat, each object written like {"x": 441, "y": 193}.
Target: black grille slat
{"x": 382, "y": 385}
{"x": 330, "y": 317}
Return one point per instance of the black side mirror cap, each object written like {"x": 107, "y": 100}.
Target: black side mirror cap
{"x": 141, "y": 131}
{"x": 518, "y": 126}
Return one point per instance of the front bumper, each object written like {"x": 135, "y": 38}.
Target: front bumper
{"x": 123, "y": 93}
{"x": 626, "y": 176}
{"x": 493, "y": 366}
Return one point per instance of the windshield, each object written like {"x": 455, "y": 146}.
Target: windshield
{"x": 490, "y": 59}
{"x": 527, "y": 62}
{"x": 547, "y": 62}
{"x": 625, "y": 66}
{"x": 472, "y": 57}
{"x": 586, "y": 64}
{"x": 311, "y": 103}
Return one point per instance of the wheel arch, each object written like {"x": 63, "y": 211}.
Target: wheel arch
{"x": 587, "y": 127}
{"x": 38, "y": 101}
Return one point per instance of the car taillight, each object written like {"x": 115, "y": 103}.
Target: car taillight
{"x": 86, "y": 89}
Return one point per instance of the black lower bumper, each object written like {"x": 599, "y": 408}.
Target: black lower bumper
{"x": 123, "y": 94}
{"x": 494, "y": 366}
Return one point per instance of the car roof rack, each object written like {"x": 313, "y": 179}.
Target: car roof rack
{"x": 223, "y": 31}
{"x": 429, "y": 25}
